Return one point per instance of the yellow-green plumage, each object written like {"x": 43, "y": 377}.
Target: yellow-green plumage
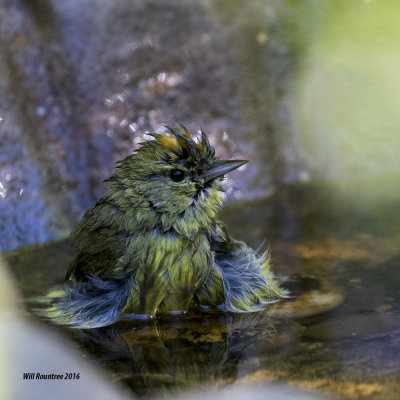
{"x": 153, "y": 242}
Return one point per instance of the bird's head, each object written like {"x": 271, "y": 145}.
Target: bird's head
{"x": 171, "y": 182}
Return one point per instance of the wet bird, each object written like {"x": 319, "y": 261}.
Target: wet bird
{"x": 153, "y": 243}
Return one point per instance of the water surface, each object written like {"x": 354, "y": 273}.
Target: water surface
{"x": 343, "y": 340}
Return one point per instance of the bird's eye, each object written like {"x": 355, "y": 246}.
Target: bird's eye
{"x": 177, "y": 175}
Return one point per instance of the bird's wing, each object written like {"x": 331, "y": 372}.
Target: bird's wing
{"x": 88, "y": 264}
{"x": 100, "y": 244}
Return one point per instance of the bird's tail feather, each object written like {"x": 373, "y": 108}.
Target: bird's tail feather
{"x": 248, "y": 282}
{"x": 90, "y": 304}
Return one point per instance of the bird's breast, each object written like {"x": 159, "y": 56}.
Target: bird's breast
{"x": 170, "y": 269}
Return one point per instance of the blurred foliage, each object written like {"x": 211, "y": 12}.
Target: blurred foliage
{"x": 347, "y": 89}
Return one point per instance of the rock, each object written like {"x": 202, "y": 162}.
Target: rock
{"x": 310, "y": 296}
{"x": 83, "y": 97}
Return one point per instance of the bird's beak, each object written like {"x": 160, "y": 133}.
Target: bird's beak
{"x": 222, "y": 167}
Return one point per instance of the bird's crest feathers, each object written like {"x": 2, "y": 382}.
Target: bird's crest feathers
{"x": 180, "y": 142}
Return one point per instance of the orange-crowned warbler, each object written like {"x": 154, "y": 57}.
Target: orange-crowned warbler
{"x": 153, "y": 243}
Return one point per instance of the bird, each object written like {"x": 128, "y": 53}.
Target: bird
{"x": 153, "y": 244}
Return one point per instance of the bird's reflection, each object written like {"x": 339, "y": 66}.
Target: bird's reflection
{"x": 197, "y": 350}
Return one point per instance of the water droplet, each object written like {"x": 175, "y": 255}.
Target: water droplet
{"x": 3, "y": 191}
{"x": 40, "y": 111}
{"x": 133, "y": 126}
{"x": 161, "y": 76}
{"x": 112, "y": 120}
